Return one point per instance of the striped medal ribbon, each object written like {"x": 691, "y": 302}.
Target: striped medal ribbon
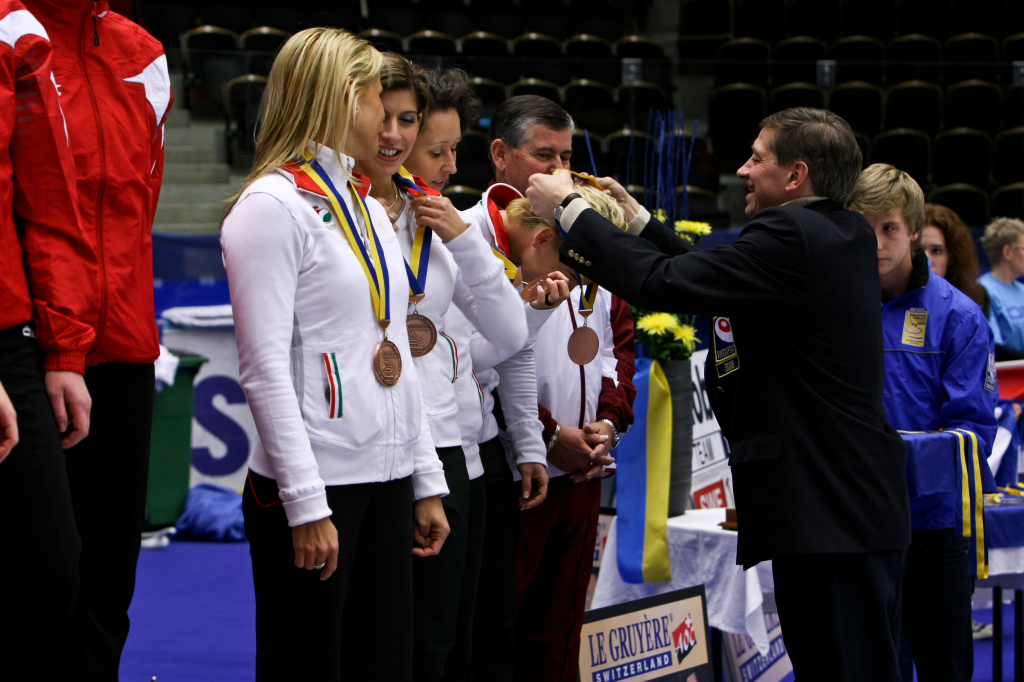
{"x": 421, "y": 330}
{"x": 387, "y": 362}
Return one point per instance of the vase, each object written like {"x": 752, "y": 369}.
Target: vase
{"x": 680, "y": 384}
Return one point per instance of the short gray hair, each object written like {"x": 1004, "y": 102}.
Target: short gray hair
{"x": 513, "y": 118}
{"x": 1001, "y": 232}
{"x": 822, "y": 140}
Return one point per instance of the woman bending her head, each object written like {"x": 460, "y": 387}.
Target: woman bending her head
{"x": 344, "y": 478}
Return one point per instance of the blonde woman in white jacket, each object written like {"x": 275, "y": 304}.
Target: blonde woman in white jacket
{"x": 344, "y": 479}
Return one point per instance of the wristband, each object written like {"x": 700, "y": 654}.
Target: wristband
{"x": 554, "y": 437}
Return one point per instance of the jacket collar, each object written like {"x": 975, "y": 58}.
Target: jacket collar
{"x": 69, "y": 13}
{"x": 920, "y": 273}
{"x": 328, "y": 160}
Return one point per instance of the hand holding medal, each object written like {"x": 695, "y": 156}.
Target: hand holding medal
{"x": 440, "y": 215}
{"x": 547, "y": 292}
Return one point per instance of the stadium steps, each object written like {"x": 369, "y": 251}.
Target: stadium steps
{"x": 197, "y": 178}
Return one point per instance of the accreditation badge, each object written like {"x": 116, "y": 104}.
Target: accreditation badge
{"x": 914, "y": 325}
{"x": 727, "y": 359}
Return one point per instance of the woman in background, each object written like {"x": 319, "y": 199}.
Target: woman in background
{"x": 947, "y": 242}
{"x": 318, "y": 294}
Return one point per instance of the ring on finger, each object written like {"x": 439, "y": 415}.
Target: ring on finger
{"x": 320, "y": 564}
{"x": 547, "y": 300}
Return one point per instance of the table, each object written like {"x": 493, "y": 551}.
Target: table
{"x": 700, "y": 552}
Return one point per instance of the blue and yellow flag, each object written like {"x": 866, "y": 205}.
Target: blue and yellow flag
{"x": 644, "y": 466}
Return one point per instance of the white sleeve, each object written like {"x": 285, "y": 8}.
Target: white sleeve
{"x": 518, "y": 393}
{"x": 485, "y": 297}
{"x": 263, "y": 254}
{"x": 427, "y": 471}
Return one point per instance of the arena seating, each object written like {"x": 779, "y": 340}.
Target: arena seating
{"x": 926, "y": 84}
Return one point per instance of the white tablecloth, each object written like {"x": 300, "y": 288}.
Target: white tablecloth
{"x": 700, "y": 552}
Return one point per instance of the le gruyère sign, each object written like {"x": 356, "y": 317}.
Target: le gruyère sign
{"x": 664, "y": 637}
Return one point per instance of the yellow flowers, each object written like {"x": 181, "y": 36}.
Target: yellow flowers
{"x": 660, "y": 324}
{"x": 693, "y": 227}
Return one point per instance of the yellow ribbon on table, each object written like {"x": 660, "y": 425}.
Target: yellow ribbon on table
{"x": 656, "y": 564}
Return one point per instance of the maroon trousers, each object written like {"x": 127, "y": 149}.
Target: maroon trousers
{"x": 554, "y": 561}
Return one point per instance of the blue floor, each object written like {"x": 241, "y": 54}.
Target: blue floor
{"x": 193, "y": 618}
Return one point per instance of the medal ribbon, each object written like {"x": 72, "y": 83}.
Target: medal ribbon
{"x": 417, "y": 270}
{"x": 589, "y": 294}
{"x": 372, "y": 261}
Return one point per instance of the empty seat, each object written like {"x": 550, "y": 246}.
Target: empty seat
{"x": 550, "y": 18}
{"x": 913, "y": 57}
{"x": 969, "y": 202}
{"x": 626, "y": 151}
{"x": 1012, "y": 51}
{"x": 483, "y": 44}
{"x": 462, "y": 197}
{"x": 860, "y": 104}
{"x": 536, "y": 45}
{"x": 858, "y": 58}
{"x": 555, "y": 70}
{"x": 699, "y": 204}
{"x": 263, "y": 38}
{"x": 735, "y": 113}
{"x": 973, "y": 104}
{"x": 816, "y": 18}
{"x": 638, "y": 99}
{"x": 535, "y": 86}
{"x": 473, "y": 145}
{"x": 864, "y": 142}
{"x": 637, "y": 47}
{"x": 971, "y": 55}
{"x": 383, "y": 40}
{"x": 587, "y": 46}
{"x": 1013, "y": 106}
{"x": 602, "y": 18}
{"x": 592, "y": 106}
{"x": 795, "y": 60}
{"x": 581, "y": 153}
{"x": 796, "y": 95}
{"x": 762, "y": 19}
{"x": 874, "y": 18}
{"x": 962, "y": 155}
{"x": 906, "y": 149}
{"x": 922, "y": 16}
{"x": 979, "y": 16}
{"x": 403, "y": 17}
{"x": 432, "y": 43}
{"x": 242, "y": 102}
{"x": 914, "y": 104}
{"x": 1009, "y": 156}
{"x": 489, "y": 91}
{"x": 454, "y": 22}
{"x": 346, "y": 15}
{"x": 743, "y": 60}
{"x": 209, "y": 37}
{"x": 1008, "y": 201}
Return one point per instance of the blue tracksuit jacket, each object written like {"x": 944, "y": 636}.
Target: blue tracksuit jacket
{"x": 939, "y": 375}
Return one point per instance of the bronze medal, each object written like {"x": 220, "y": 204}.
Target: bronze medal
{"x": 422, "y": 334}
{"x": 583, "y": 345}
{"x": 530, "y": 290}
{"x": 387, "y": 363}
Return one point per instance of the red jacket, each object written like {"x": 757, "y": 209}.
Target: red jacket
{"x": 40, "y": 233}
{"x": 115, "y": 88}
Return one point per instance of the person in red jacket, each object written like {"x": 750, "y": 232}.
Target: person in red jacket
{"x": 43, "y": 344}
{"x": 114, "y": 85}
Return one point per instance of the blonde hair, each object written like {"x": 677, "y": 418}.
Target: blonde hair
{"x": 1001, "y": 232}
{"x": 882, "y": 189}
{"x": 312, "y": 94}
{"x": 522, "y": 211}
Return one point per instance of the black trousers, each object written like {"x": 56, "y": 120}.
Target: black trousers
{"x": 357, "y": 624}
{"x": 841, "y": 614}
{"x": 108, "y": 472}
{"x": 444, "y": 586}
{"x": 494, "y": 624}
{"x": 40, "y": 547}
{"x": 937, "y": 589}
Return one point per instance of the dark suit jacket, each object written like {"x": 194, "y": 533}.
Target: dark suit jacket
{"x": 816, "y": 467}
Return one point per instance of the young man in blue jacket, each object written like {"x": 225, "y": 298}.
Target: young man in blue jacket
{"x": 939, "y": 375}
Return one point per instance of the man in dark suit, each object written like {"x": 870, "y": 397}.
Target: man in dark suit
{"x": 795, "y": 374}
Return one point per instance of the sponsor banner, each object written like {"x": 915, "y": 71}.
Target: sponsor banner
{"x": 223, "y": 431}
{"x": 664, "y": 637}
{"x": 712, "y": 478}
{"x": 745, "y": 664}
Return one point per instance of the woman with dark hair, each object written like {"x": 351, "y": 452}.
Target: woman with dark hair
{"x": 947, "y": 242}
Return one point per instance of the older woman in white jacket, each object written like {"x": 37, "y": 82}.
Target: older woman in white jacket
{"x": 319, "y": 294}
